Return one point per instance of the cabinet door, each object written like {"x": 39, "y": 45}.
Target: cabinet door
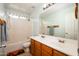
{"x": 37, "y": 52}
{"x": 37, "y": 45}
{"x": 57, "y": 53}
{"x": 47, "y": 49}
{"x": 32, "y": 49}
{"x": 44, "y": 53}
{"x": 37, "y": 48}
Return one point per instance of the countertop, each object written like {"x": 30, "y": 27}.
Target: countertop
{"x": 69, "y": 46}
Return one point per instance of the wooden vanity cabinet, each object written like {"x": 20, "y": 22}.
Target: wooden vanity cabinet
{"x": 57, "y": 53}
{"x": 37, "y": 45}
{"x": 35, "y": 48}
{"x": 39, "y": 49}
{"x": 32, "y": 47}
{"x": 46, "y": 51}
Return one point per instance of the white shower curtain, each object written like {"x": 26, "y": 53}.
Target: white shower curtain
{"x": 18, "y": 33}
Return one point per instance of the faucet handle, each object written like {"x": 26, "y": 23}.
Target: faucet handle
{"x": 62, "y": 41}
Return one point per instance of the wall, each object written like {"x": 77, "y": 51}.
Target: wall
{"x": 2, "y": 13}
{"x": 35, "y": 16}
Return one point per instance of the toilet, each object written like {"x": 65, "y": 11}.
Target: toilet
{"x": 26, "y": 46}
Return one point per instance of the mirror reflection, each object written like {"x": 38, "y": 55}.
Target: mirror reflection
{"x": 59, "y": 20}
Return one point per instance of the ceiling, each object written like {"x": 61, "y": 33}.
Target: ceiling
{"x": 25, "y": 7}
{"x": 29, "y": 8}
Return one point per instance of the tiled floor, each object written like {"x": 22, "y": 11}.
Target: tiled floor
{"x": 27, "y": 53}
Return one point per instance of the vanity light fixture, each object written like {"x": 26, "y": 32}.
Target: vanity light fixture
{"x": 54, "y": 26}
{"x": 14, "y": 16}
{"x": 47, "y": 5}
{"x": 22, "y": 17}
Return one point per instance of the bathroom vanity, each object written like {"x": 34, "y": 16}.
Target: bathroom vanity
{"x": 52, "y": 46}
{"x": 39, "y": 49}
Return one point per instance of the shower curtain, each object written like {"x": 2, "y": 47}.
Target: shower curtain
{"x": 19, "y": 31}
{"x": 3, "y": 37}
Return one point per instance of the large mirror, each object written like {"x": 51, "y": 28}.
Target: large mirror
{"x": 59, "y": 20}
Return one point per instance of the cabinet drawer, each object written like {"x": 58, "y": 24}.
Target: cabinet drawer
{"x": 37, "y": 45}
{"x": 47, "y": 49}
{"x": 57, "y": 53}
